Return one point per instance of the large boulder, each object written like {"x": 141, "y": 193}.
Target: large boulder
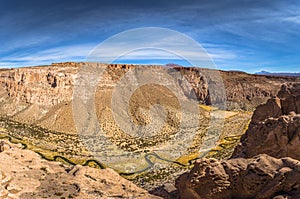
{"x": 260, "y": 177}
{"x": 275, "y": 127}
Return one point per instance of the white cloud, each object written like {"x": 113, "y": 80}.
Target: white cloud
{"x": 154, "y": 46}
{"x": 294, "y": 19}
{"x": 64, "y": 53}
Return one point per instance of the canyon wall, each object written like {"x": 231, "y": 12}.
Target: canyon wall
{"x": 40, "y": 85}
{"x": 51, "y": 85}
{"x": 43, "y": 95}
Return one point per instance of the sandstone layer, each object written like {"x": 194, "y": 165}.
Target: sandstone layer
{"x": 275, "y": 127}
{"x": 23, "y": 174}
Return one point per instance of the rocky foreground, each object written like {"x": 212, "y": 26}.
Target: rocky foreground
{"x": 266, "y": 162}
{"x": 274, "y": 128}
{"x": 23, "y": 174}
{"x": 260, "y": 177}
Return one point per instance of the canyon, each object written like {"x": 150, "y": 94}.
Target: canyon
{"x": 37, "y": 114}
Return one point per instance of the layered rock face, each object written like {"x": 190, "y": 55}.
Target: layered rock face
{"x": 275, "y": 127}
{"x": 52, "y": 85}
{"x": 261, "y": 177}
{"x": 23, "y": 174}
{"x": 46, "y": 86}
{"x": 244, "y": 91}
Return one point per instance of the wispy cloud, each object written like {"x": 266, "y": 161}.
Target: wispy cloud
{"x": 57, "y": 54}
{"x": 236, "y": 34}
{"x": 115, "y": 50}
{"x": 294, "y": 19}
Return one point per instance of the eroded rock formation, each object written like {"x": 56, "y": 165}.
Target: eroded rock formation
{"x": 261, "y": 177}
{"x": 275, "y": 127}
{"x": 271, "y": 145}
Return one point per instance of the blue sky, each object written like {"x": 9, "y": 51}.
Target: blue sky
{"x": 239, "y": 35}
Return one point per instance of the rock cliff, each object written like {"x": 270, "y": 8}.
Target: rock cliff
{"x": 52, "y": 85}
{"x": 46, "y": 86}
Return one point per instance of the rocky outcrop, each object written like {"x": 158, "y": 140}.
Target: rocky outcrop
{"x": 275, "y": 127}
{"x": 23, "y": 174}
{"x": 271, "y": 145}
{"x": 261, "y": 177}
